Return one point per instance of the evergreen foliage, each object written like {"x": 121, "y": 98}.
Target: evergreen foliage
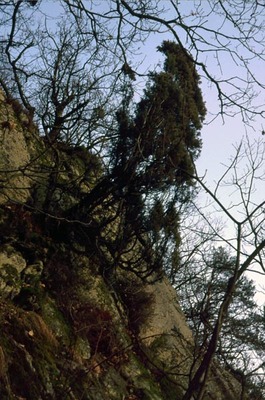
{"x": 151, "y": 159}
{"x": 241, "y": 342}
{"x": 154, "y": 148}
{"x": 154, "y": 151}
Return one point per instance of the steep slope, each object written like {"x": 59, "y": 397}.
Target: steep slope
{"x": 71, "y": 329}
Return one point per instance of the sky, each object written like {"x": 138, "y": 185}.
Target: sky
{"x": 221, "y": 137}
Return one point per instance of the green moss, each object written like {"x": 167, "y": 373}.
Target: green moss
{"x": 162, "y": 381}
{"x": 140, "y": 381}
{"x": 30, "y": 349}
{"x": 9, "y": 274}
{"x": 10, "y": 281}
{"x": 56, "y": 321}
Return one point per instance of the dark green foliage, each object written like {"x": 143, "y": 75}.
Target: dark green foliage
{"x": 152, "y": 158}
{"x": 154, "y": 148}
{"x": 151, "y": 166}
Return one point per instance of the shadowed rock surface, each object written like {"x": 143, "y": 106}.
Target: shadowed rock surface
{"x": 69, "y": 329}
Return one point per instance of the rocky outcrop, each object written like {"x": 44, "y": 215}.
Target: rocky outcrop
{"x": 68, "y": 331}
{"x": 14, "y": 154}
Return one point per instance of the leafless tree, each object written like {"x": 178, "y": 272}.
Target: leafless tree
{"x": 243, "y": 216}
{"x": 217, "y": 35}
{"x": 101, "y": 39}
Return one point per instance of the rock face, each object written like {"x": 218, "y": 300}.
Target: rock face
{"x": 67, "y": 330}
{"x": 14, "y": 152}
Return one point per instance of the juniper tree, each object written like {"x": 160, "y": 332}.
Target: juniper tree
{"x": 153, "y": 152}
